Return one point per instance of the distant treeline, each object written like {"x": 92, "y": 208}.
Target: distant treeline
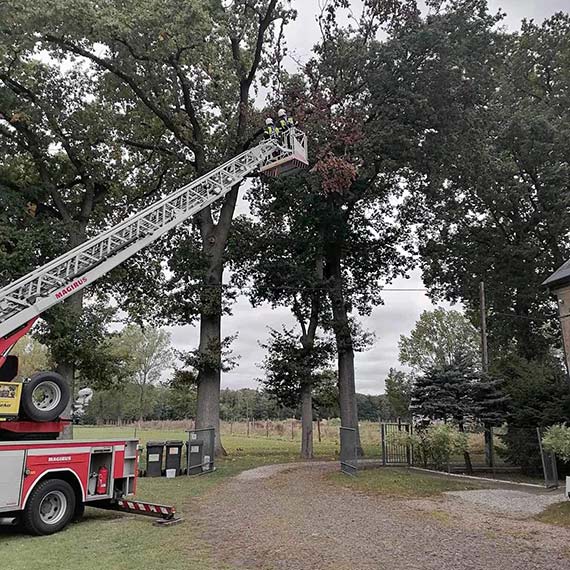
{"x": 167, "y": 403}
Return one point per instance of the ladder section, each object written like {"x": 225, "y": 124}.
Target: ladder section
{"x": 36, "y": 292}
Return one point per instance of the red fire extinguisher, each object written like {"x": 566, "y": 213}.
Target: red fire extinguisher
{"x": 102, "y": 480}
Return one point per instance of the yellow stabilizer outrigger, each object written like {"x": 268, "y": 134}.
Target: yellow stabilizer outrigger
{"x": 10, "y": 396}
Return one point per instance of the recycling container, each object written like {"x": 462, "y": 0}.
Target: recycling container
{"x": 154, "y": 455}
{"x": 174, "y": 456}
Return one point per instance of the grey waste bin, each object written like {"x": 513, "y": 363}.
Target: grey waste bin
{"x": 201, "y": 441}
{"x": 194, "y": 452}
{"x": 154, "y": 454}
{"x": 174, "y": 456}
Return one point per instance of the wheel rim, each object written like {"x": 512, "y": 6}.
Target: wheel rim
{"x": 53, "y": 507}
{"x": 46, "y": 396}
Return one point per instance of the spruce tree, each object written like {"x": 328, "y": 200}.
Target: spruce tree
{"x": 444, "y": 392}
{"x": 490, "y": 401}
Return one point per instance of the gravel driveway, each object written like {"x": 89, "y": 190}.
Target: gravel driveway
{"x": 292, "y": 518}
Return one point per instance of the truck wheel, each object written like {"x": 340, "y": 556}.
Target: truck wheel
{"x": 45, "y": 396}
{"x": 79, "y": 512}
{"x": 50, "y": 507}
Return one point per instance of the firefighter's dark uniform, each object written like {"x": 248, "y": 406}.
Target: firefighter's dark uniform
{"x": 270, "y": 131}
{"x": 285, "y": 124}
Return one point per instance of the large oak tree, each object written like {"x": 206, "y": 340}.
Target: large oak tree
{"x": 184, "y": 73}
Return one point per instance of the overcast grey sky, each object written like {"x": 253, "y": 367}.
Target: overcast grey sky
{"x": 401, "y": 309}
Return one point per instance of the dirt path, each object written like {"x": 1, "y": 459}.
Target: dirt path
{"x": 292, "y": 518}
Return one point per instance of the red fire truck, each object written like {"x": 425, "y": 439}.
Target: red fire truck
{"x": 45, "y": 485}
{"x": 44, "y": 482}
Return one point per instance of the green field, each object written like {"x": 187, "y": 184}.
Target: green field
{"x": 267, "y": 449}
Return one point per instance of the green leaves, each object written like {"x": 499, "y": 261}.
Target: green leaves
{"x": 289, "y": 366}
{"x": 556, "y": 439}
{"x": 439, "y": 338}
{"x": 494, "y": 199}
{"x": 398, "y": 390}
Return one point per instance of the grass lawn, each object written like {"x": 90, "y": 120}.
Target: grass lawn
{"x": 119, "y": 542}
{"x": 400, "y": 482}
{"x": 558, "y": 514}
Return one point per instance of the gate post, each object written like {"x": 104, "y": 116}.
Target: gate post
{"x": 549, "y": 466}
{"x": 383, "y": 437}
{"x": 348, "y": 451}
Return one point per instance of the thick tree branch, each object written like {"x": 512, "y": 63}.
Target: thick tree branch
{"x": 198, "y": 147}
{"x": 264, "y": 24}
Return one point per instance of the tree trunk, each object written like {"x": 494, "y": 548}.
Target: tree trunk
{"x": 344, "y": 345}
{"x": 67, "y": 370}
{"x": 141, "y": 404}
{"x": 466, "y": 455}
{"x": 307, "y": 421}
{"x": 209, "y": 374}
{"x": 66, "y": 367}
{"x": 489, "y": 451}
{"x": 209, "y": 379}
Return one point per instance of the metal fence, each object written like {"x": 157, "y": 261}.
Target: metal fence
{"x": 505, "y": 452}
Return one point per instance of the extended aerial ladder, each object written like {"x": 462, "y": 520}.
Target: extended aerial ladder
{"x": 22, "y": 302}
{"x": 45, "y": 484}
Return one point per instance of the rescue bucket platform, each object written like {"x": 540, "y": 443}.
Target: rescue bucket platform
{"x": 295, "y": 142}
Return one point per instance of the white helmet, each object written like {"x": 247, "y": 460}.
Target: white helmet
{"x": 282, "y": 113}
{"x": 269, "y": 121}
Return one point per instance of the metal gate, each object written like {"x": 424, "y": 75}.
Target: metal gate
{"x": 394, "y": 452}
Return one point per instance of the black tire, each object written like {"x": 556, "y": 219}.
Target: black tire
{"x": 79, "y": 512}
{"x": 56, "y": 397}
{"x": 50, "y": 507}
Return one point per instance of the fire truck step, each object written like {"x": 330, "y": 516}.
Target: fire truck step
{"x": 165, "y": 512}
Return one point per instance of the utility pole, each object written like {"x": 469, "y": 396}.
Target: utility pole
{"x": 483, "y": 308}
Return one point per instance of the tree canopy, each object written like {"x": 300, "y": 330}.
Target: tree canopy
{"x": 438, "y": 338}
{"x": 497, "y": 208}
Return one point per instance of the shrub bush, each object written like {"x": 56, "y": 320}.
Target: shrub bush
{"x": 557, "y": 440}
{"x": 433, "y": 445}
